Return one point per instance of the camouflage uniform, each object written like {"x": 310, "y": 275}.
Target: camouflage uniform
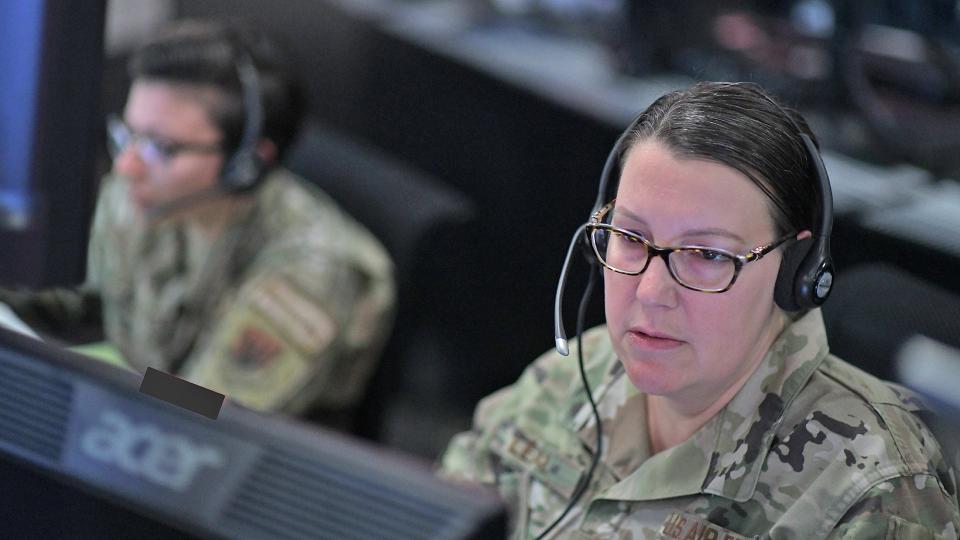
{"x": 810, "y": 447}
{"x": 287, "y": 309}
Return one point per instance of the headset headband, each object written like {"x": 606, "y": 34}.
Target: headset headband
{"x": 242, "y": 169}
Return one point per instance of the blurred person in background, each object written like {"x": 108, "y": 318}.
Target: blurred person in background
{"x": 720, "y": 412}
{"x": 209, "y": 260}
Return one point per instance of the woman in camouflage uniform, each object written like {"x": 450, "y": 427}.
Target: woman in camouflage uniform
{"x": 723, "y": 415}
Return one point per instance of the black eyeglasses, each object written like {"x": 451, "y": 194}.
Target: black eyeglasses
{"x": 699, "y": 268}
{"x": 152, "y": 149}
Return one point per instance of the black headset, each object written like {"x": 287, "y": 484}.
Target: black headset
{"x": 244, "y": 168}
{"x": 806, "y": 272}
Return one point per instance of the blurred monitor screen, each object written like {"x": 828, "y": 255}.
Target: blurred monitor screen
{"x": 84, "y": 454}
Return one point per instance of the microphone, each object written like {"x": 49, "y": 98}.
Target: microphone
{"x": 560, "y": 336}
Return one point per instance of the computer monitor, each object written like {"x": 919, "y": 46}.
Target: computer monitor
{"x": 51, "y": 133}
{"x": 84, "y": 454}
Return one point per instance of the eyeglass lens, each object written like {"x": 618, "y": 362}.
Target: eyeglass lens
{"x": 119, "y": 137}
{"x": 698, "y": 268}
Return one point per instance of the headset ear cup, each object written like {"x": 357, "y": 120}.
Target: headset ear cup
{"x": 793, "y": 257}
{"x": 241, "y": 172}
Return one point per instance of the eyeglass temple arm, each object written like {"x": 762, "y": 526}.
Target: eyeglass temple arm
{"x": 758, "y": 253}
{"x": 560, "y": 336}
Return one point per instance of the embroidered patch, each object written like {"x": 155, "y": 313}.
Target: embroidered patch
{"x": 558, "y": 472}
{"x": 309, "y": 327}
{"x": 255, "y": 349}
{"x": 687, "y": 526}
{"x": 365, "y": 322}
{"x": 250, "y": 363}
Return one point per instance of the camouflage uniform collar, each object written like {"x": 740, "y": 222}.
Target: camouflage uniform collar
{"x": 747, "y": 425}
{"x": 616, "y": 398}
{"x": 725, "y": 457}
{"x": 623, "y": 411}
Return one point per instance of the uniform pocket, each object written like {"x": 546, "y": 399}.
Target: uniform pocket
{"x": 544, "y": 506}
{"x": 547, "y": 478}
{"x": 901, "y": 529}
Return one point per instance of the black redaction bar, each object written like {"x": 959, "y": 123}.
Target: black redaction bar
{"x": 185, "y": 394}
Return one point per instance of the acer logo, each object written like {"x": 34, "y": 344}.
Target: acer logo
{"x": 167, "y": 459}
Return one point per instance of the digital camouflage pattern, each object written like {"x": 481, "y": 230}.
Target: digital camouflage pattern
{"x": 287, "y": 309}
{"x": 810, "y": 447}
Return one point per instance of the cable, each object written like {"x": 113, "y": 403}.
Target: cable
{"x": 582, "y": 487}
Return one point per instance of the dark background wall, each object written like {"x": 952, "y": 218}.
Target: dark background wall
{"x": 50, "y": 92}
{"x": 503, "y": 128}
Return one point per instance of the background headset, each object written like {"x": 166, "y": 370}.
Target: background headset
{"x": 806, "y": 272}
{"x": 243, "y": 169}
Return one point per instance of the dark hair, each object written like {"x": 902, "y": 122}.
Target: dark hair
{"x": 206, "y": 52}
{"x": 741, "y": 126}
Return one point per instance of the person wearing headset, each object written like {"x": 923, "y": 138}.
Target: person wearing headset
{"x": 719, "y": 411}
{"x": 208, "y": 259}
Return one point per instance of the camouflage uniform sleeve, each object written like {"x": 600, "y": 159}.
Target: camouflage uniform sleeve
{"x": 302, "y": 334}
{"x": 470, "y": 456}
{"x": 55, "y": 311}
{"x": 908, "y": 508}
{"x": 63, "y": 309}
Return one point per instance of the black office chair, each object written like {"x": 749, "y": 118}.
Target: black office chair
{"x": 873, "y": 312}
{"x": 426, "y": 228}
{"x": 875, "y": 308}
{"x": 933, "y": 370}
